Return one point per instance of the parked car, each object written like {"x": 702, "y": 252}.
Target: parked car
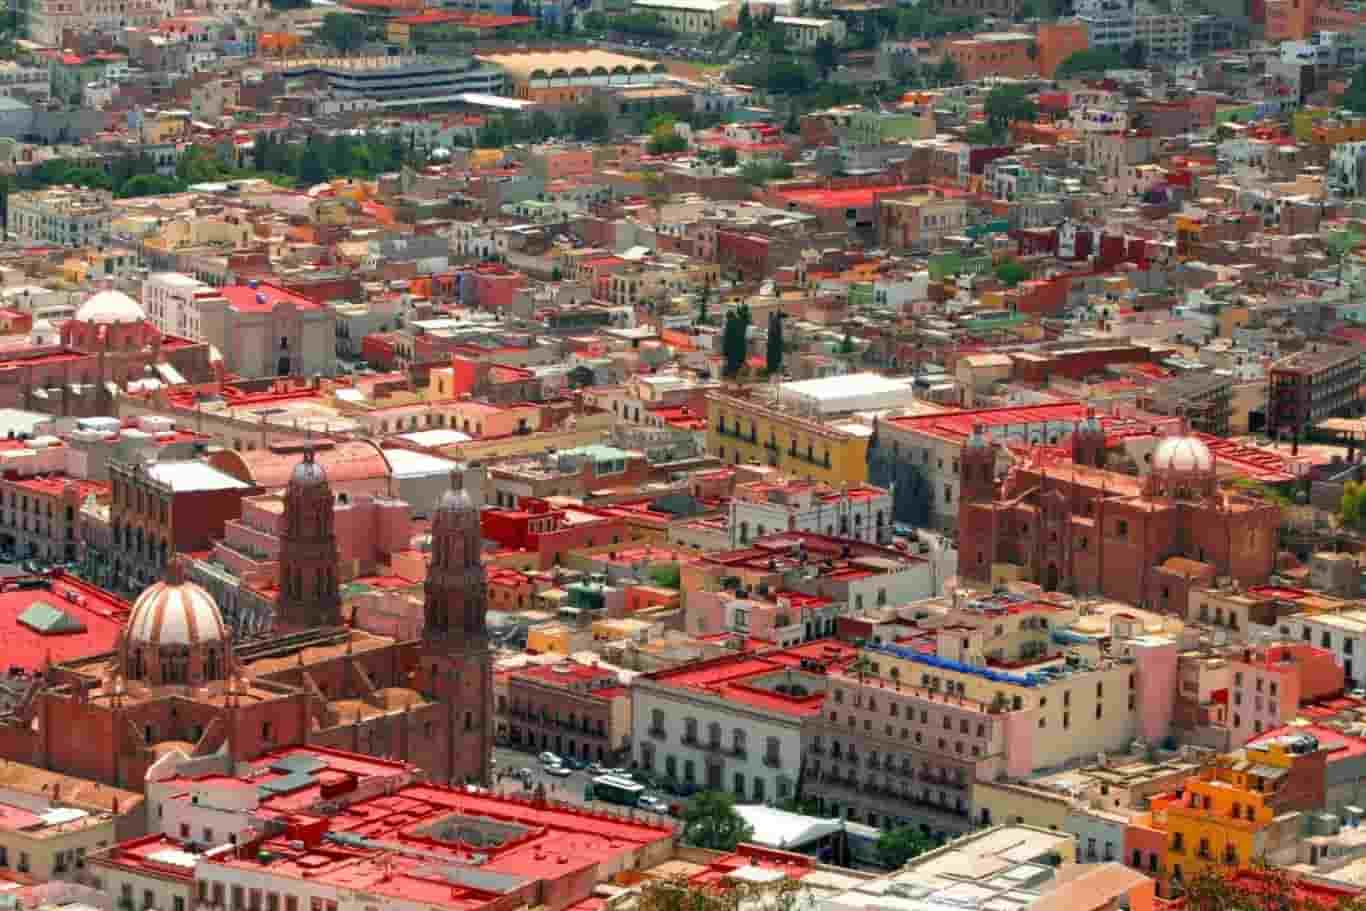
{"x": 549, "y": 759}
{"x": 558, "y": 771}
{"x": 595, "y": 769}
{"x": 653, "y": 804}
{"x": 574, "y": 763}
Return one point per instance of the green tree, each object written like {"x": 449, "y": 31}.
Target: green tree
{"x": 590, "y": 123}
{"x": 744, "y": 21}
{"x": 312, "y": 169}
{"x": 825, "y": 55}
{"x": 1092, "y": 60}
{"x": 580, "y": 377}
{"x": 735, "y": 340}
{"x": 896, "y": 846}
{"x": 148, "y": 185}
{"x": 1007, "y": 104}
{"x": 947, "y": 73}
{"x": 1011, "y": 273}
{"x": 1341, "y": 244}
{"x": 847, "y": 344}
{"x": 710, "y": 821}
{"x": 666, "y": 575}
{"x": 342, "y": 31}
{"x": 773, "y": 360}
{"x": 198, "y": 164}
{"x": 1352, "y": 509}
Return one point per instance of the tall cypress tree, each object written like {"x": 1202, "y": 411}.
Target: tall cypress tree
{"x": 775, "y": 342}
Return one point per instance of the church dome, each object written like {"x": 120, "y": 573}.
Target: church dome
{"x": 308, "y": 473}
{"x": 175, "y": 633}
{"x": 175, "y": 613}
{"x": 455, "y": 501}
{"x": 110, "y": 307}
{"x": 1182, "y": 455}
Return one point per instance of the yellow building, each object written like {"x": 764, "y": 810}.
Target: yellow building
{"x": 1241, "y": 807}
{"x": 740, "y": 430}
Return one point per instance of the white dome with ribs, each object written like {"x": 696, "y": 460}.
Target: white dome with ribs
{"x": 175, "y": 613}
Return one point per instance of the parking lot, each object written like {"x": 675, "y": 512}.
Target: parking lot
{"x": 570, "y": 788}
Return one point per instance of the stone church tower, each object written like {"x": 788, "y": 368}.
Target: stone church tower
{"x": 308, "y": 553}
{"x": 457, "y": 664}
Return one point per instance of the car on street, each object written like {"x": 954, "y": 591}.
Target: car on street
{"x": 574, "y": 763}
{"x": 653, "y": 804}
{"x": 559, "y": 771}
{"x": 594, "y": 769}
{"x": 549, "y": 759}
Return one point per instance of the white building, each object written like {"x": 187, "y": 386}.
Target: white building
{"x": 691, "y": 17}
{"x": 851, "y": 392}
{"x": 1343, "y": 634}
{"x": 863, "y": 512}
{"x": 171, "y": 300}
{"x": 732, "y": 723}
{"x": 67, "y": 216}
{"x": 33, "y": 82}
{"x": 805, "y": 32}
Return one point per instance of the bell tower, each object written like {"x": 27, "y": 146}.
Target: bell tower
{"x": 308, "y": 552}
{"x": 457, "y": 663}
{"x": 978, "y": 480}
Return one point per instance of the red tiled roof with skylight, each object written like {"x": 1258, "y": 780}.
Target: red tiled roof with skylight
{"x": 57, "y": 618}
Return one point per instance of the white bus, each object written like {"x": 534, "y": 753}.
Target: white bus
{"x": 615, "y": 789}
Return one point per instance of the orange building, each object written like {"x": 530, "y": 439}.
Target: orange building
{"x": 995, "y": 54}
{"x": 1057, "y": 42}
{"x": 1296, "y": 19}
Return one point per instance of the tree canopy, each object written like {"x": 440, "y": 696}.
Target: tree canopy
{"x": 1011, "y": 273}
{"x": 343, "y": 31}
{"x": 774, "y": 350}
{"x": 735, "y": 339}
{"x": 1007, "y": 104}
{"x": 1091, "y": 60}
{"x": 896, "y": 846}
{"x": 710, "y": 821}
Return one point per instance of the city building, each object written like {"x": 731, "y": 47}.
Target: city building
{"x": 422, "y": 857}
{"x": 805, "y": 32}
{"x": 1072, "y": 524}
{"x": 733, "y": 723}
{"x": 263, "y": 330}
{"x": 800, "y": 446}
{"x": 690, "y": 17}
{"x": 1310, "y": 386}
{"x": 53, "y": 827}
{"x": 161, "y": 509}
{"x": 862, "y": 512}
{"x": 1239, "y": 807}
{"x": 171, "y": 300}
{"x": 1021, "y": 865}
{"x": 570, "y": 709}
{"x": 425, "y": 701}
{"x": 66, "y": 216}
{"x": 571, "y": 75}
{"x": 995, "y": 54}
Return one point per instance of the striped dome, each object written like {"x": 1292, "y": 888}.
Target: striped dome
{"x": 175, "y": 613}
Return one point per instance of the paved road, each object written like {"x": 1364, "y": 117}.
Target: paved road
{"x": 569, "y": 789}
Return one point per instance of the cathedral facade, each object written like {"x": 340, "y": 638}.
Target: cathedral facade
{"x": 177, "y": 680}
{"x": 1064, "y": 520}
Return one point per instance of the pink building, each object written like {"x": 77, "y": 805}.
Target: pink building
{"x": 369, "y": 528}
{"x": 490, "y": 286}
{"x": 1271, "y": 683}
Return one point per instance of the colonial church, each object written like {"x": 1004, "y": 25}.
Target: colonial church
{"x": 1064, "y": 519}
{"x": 177, "y": 681}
